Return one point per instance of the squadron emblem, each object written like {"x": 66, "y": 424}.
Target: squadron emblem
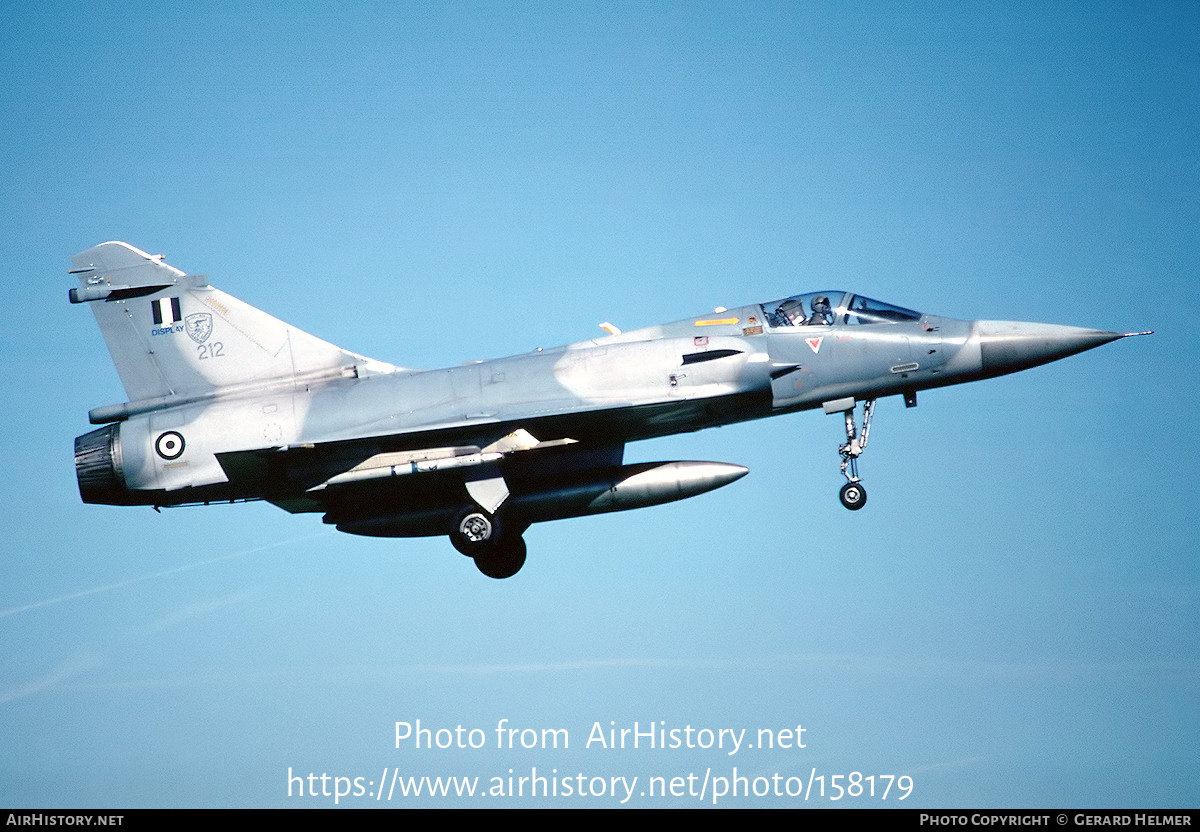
{"x": 198, "y": 326}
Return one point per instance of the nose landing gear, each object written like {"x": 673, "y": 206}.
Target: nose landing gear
{"x": 852, "y": 495}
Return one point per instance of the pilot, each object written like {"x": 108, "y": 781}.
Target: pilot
{"x": 821, "y": 316}
{"x": 792, "y": 310}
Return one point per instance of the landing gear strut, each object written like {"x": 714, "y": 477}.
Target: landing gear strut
{"x": 852, "y": 495}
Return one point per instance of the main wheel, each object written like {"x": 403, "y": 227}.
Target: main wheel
{"x": 853, "y": 496}
{"x": 474, "y": 531}
{"x": 504, "y": 560}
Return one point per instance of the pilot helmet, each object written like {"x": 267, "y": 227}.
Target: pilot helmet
{"x": 792, "y": 308}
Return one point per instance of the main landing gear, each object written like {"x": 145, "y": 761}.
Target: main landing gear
{"x": 497, "y": 549}
{"x": 852, "y": 495}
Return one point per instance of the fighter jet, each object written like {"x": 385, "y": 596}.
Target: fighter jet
{"x": 228, "y": 404}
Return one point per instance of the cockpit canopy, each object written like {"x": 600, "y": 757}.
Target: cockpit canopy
{"x": 829, "y": 308}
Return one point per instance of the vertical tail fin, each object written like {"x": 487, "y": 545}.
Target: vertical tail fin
{"x": 171, "y": 334}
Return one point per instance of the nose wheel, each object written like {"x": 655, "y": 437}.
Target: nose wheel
{"x": 852, "y": 495}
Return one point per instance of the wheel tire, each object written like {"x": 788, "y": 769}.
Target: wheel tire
{"x": 504, "y": 560}
{"x": 475, "y": 532}
{"x": 853, "y": 496}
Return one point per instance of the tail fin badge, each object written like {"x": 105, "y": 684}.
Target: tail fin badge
{"x": 198, "y": 326}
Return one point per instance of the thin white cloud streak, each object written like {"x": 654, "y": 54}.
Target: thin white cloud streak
{"x": 851, "y": 666}
{"x": 96, "y": 590}
{"x": 188, "y": 611}
{"x": 962, "y": 763}
{"x": 73, "y": 666}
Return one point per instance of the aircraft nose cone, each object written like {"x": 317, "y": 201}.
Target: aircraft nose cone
{"x": 1008, "y": 346}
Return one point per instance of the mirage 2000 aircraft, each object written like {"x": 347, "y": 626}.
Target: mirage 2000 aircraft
{"x": 227, "y": 403}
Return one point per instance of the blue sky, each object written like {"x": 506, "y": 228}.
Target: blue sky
{"x": 1011, "y": 621}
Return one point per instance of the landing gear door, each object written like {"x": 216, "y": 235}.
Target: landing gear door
{"x": 788, "y": 386}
